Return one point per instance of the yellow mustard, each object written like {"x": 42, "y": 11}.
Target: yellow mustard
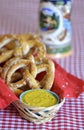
{"x": 39, "y": 98}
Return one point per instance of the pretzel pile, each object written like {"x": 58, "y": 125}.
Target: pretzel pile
{"x": 22, "y": 59}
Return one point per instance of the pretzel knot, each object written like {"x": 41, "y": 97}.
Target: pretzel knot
{"x": 20, "y": 74}
{"x": 17, "y": 85}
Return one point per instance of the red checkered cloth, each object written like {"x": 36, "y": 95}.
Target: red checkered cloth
{"x": 19, "y": 16}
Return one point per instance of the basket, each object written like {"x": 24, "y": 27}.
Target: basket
{"x": 37, "y": 115}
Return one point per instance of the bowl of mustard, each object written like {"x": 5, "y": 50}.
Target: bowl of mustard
{"x": 39, "y": 105}
{"x": 39, "y": 98}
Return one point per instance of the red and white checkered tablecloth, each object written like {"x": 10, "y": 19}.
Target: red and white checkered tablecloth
{"x": 20, "y": 16}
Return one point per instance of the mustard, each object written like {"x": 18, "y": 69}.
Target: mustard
{"x": 39, "y": 98}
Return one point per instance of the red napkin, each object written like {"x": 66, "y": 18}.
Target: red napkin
{"x": 65, "y": 84}
{"x": 6, "y": 95}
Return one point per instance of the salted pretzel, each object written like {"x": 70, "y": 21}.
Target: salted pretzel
{"x": 18, "y": 72}
{"x": 20, "y": 65}
{"x": 31, "y": 44}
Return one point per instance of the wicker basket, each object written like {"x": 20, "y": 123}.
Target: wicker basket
{"x": 37, "y": 115}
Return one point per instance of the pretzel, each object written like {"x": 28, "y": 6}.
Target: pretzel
{"x": 30, "y": 71}
{"x": 20, "y": 64}
{"x": 31, "y": 44}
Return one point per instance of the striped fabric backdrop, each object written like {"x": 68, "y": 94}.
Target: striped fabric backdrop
{"x": 20, "y": 16}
